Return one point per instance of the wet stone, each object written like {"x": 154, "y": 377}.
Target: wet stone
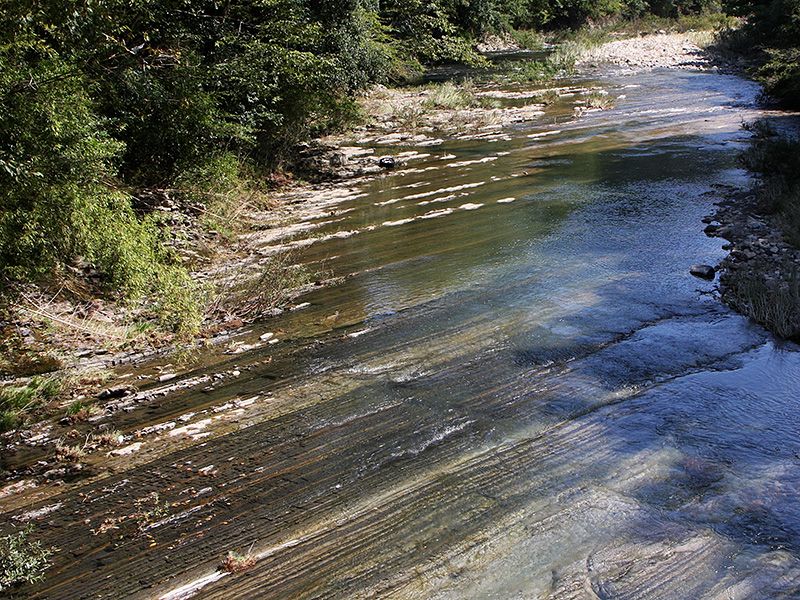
{"x": 116, "y": 392}
{"x": 703, "y": 271}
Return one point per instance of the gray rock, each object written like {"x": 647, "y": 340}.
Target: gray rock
{"x": 117, "y": 392}
{"x": 338, "y": 159}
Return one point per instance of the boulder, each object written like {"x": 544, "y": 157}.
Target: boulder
{"x": 703, "y": 271}
{"x": 387, "y": 162}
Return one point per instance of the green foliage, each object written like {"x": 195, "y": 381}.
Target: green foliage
{"x": 773, "y": 26}
{"x": 53, "y": 159}
{"x": 58, "y": 201}
{"x": 705, "y": 21}
{"x": 528, "y": 39}
{"x": 780, "y": 76}
{"x": 17, "y": 402}
{"x": 435, "y": 31}
{"x": 677, "y": 8}
{"x": 21, "y": 559}
{"x": 774, "y": 22}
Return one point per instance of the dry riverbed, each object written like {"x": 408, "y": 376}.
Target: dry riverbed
{"x": 658, "y": 51}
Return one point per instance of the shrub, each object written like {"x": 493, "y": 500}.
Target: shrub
{"x": 58, "y": 202}
{"x": 251, "y": 292}
{"x": 55, "y": 163}
{"x": 528, "y": 39}
{"x": 780, "y": 76}
{"x": 21, "y": 559}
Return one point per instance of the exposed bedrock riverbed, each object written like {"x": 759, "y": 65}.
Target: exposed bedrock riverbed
{"x": 516, "y": 389}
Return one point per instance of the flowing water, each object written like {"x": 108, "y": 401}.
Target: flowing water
{"x": 517, "y": 391}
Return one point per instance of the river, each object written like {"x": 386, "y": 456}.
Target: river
{"x": 516, "y": 392}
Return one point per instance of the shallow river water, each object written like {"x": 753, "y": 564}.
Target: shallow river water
{"x": 517, "y": 391}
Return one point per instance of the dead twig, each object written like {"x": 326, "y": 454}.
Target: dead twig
{"x": 52, "y": 317}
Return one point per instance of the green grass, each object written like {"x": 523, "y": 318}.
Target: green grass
{"x": 535, "y": 71}
{"x": 18, "y": 402}
{"x": 69, "y": 454}
{"x": 547, "y": 97}
{"x": 560, "y": 63}
{"x": 150, "y": 510}
{"x": 77, "y": 407}
{"x": 598, "y": 100}
{"x": 529, "y": 39}
{"x": 772, "y": 300}
{"x": 80, "y": 411}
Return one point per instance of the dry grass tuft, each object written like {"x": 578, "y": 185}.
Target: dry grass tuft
{"x": 773, "y": 304}
{"x": 66, "y": 453}
{"x": 235, "y": 562}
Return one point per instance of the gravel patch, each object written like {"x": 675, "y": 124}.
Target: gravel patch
{"x": 658, "y": 51}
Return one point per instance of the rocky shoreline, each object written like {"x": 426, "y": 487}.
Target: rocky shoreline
{"x": 761, "y": 267}
{"x": 655, "y": 51}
